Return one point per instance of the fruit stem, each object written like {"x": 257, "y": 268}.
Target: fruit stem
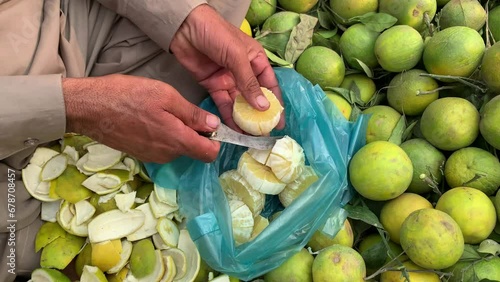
{"x": 421, "y": 92}
{"x": 430, "y": 25}
{"x": 431, "y": 183}
{"x": 463, "y": 80}
{"x": 487, "y": 27}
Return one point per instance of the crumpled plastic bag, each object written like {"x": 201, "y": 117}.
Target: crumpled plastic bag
{"x": 329, "y": 141}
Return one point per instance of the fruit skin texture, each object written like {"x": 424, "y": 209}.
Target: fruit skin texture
{"x": 297, "y": 268}
{"x": 358, "y": 42}
{"x": 380, "y": 171}
{"x": 484, "y": 269}
{"x": 450, "y": 123}
{"x": 344, "y": 237}
{"x": 409, "y": 12}
{"x": 472, "y": 210}
{"x": 282, "y": 23}
{"x": 303, "y": 6}
{"x": 338, "y": 263}
{"x": 432, "y": 239}
{"x": 395, "y": 211}
{"x": 497, "y": 204}
{"x": 494, "y": 22}
{"x": 346, "y": 9}
{"x": 259, "y": 11}
{"x": 468, "y": 13}
{"x": 321, "y": 66}
{"x": 490, "y": 67}
{"x": 396, "y": 276}
{"x": 403, "y": 92}
{"x": 382, "y": 122}
{"x": 489, "y": 124}
{"x": 366, "y": 85}
{"x": 399, "y": 48}
{"x": 473, "y": 167}
{"x": 457, "y": 51}
{"x": 342, "y": 105}
{"x": 426, "y": 159}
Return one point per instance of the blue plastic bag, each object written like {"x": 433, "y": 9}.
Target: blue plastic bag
{"x": 328, "y": 140}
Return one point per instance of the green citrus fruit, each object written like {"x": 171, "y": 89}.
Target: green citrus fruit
{"x": 395, "y": 211}
{"x": 380, "y": 171}
{"x": 319, "y": 240}
{"x": 426, "y": 159}
{"x": 279, "y": 26}
{"x": 365, "y": 85}
{"x": 497, "y": 204}
{"x": 450, "y": 123}
{"x": 346, "y": 9}
{"x": 473, "y": 167}
{"x": 494, "y": 23}
{"x": 468, "y": 13}
{"x": 322, "y": 66}
{"x": 376, "y": 254}
{"x": 358, "y": 42}
{"x": 441, "y": 3}
{"x": 432, "y": 239}
{"x": 296, "y": 268}
{"x": 489, "y": 124}
{"x": 342, "y": 105}
{"x": 472, "y": 210}
{"x": 456, "y": 51}
{"x": 399, "y": 48}
{"x": 338, "y": 263}
{"x": 408, "y": 92}
{"x": 415, "y": 273}
{"x": 382, "y": 122}
{"x": 302, "y": 6}
{"x": 409, "y": 12}
{"x": 490, "y": 67}
{"x": 475, "y": 270}
{"x": 259, "y": 11}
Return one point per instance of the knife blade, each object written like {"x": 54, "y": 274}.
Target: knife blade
{"x": 228, "y": 135}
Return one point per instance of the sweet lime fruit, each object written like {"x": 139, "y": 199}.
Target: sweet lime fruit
{"x": 361, "y": 83}
{"x": 345, "y": 237}
{"x": 489, "y": 124}
{"x": 338, "y": 263}
{"x": 395, "y": 211}
{"x": 455, "y": 51}
{"x": 357, "y": 42}
{"x": 467, "y": 13}
{"x": 409, "y": 12}
{"x": 382, "y": 122}
{"x": 494, "y": 23}
{"x": 410, "y": 93}
{"x": 322, "y": 66}
{"x": 415, "y": 273}
{"x": 380, "y": 171}
{"x": 279, "y": 26}
{"x": 432, "y": 239}
{"x": 450, "y": 123}
{"x": 399, "y": 48}
{"x": 298, "y": 6}
{"x": 259, "y": 11}
{"x": 472, "y": 210}
{"x": 473, "y": 167}
{"x": 490, "y": 67}
{"x": 297, "y": 268}
{"x": 340, "y": 102}
{"x": 346, "y": 9}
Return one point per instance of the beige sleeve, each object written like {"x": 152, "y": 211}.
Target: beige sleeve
{"x": 32, "y": 112}
{"x": 159, "y": 19}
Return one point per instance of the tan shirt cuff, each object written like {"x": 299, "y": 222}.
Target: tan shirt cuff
{"x": 158, "y": 19}
{"x": 32, "y": 112}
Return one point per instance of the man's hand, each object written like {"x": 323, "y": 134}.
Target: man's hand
{"x": 145, "y": 118}
{"x": 224, "y": 60}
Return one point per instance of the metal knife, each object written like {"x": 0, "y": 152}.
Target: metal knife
{"x": 227, "y": 135}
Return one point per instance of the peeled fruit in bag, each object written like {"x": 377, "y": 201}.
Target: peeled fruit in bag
{"x": 472, "y": 210}
{"x": 432, "y": 239}
{"x": 287, "y": 159}
{"x": 415, "y": 273}
{"x": 260, "y": 223}
{"x": 338, "y": 263}
{"x": 298, "y": 186}
{"x": 345, "y": 237}
{"x": 254, "y": 121}
{"x": 296, "y": 268}
{"x": 395, "y": 211}
{"x": 380, "y": 171}
{"x": 242, "y": 221}
{"x": 235, "y": 186}
{"x": 259, "y": 176}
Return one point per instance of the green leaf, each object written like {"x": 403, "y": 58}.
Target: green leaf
{"x": 327, "y": 33}
{"x": 470, "y": 253}
{"x": 346, "y": 93}
{"x": 355, "y": 94}
{"x": 365, "y": 68}
{"x": 364, "y": 214}
{"x": 318, "y": 40}
{"x": 489, "y": 246}
{"x": 277, "y": 60}
{"x": 398, "y": 131}
{"x": 356, "y": 111}
{"x": 300, "y": 37}
{"x": 409, "y": 130}
{"x": 325, "y": 20}
{"x": 375, "y": 21}
{"x": 375, "y": 256}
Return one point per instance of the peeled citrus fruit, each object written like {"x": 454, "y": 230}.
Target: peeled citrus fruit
{"x": 235, "y": 186}
{"x": 287, "y": 159}
{"x": 254, "y": 121}
{"x": 242, "y": 221}
{"x": 259, "y": 176}
{"x": 293, "y": 189}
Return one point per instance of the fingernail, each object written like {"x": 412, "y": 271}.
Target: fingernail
{"x": 262, "y": 101}
{"x": 213, "y": 121}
